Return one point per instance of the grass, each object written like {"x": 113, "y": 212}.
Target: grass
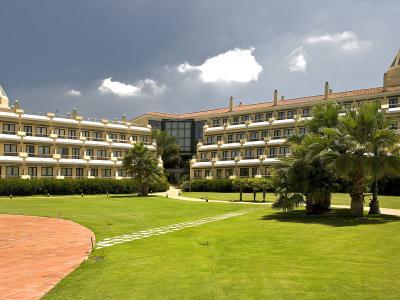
{"x": 260, "y": 255}
{"x": 337, "y": 198}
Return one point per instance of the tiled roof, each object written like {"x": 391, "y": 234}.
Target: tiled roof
{"x": 269, "y": 104}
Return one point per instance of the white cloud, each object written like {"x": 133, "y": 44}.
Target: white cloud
{"x": 237, "y": 65}
{"x": 142, "y": 88}
{"x": 73, "y": 93}
{"x": 297, "y": 60}
{"x": 346, "y": 41}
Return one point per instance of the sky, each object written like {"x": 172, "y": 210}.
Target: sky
{"x": 114, "y": 57}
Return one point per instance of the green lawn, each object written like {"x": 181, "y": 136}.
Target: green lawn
{"x": 338, "y": 198}
{"x": 260, "y": 255}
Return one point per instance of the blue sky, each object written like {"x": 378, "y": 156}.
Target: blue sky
{"x": 109, "y": 58}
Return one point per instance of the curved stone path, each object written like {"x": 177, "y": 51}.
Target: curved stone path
{"x": 37, "y": 252}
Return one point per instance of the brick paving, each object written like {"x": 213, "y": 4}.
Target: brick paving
{"x": 37, "y": 252}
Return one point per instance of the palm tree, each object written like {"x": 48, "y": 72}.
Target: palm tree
{"x": 359, "y": 150}
{"x": 140, "y": 164}
{"x": 167, "y": 148}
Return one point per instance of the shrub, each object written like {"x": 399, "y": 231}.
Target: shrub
{"x": 23, "y": 187}
{"x": 217, "y": 185}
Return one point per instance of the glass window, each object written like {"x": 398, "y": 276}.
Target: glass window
{"x": 245, "y": 118}
{"x": 198, "y": 173}
{"x": 94, "y": 172}
{"x": 203, "y": 155}
{"x": 209, "y": 140}
{"x": 288, "y": 132}
{"x": 12, "y": 171}
{"x": 264, "y": 133}
{"x": 32, "y": 171}
{"x": 306, "y": 112}
{"x": 117, "y": 153}
{"x": 238, "y": 137}
{"x": 41, "y": 131}
{"x": 75, "y": 153}
{"x": 235, "y": 120}
{"x": 144, "y": 139}
{"x": 101, "y": 153}
{"x": 79, "y": 172}
{"x": 44, "y": 150}
{"x": 47, "y": 172}
{"x": 67, "y": 172}
{"x": 134, "y": 138}
{"x": 258, "y": 118}
{"x": 272, "y": 152}
{"x": 30, "y": 149}
{"x": 122, "y": 172}
{"x": 254, "y": 171}
{"x": 219, "y": 138}
{"x": 72, "y": 134}
{"x": 122, "y": 137}
{"x": 9, "y": 128}
{"x": 63, "y": 151}
{"x": 113, "y": 136}
{"x": 106, "y": 173}
{"x": 230, "y": 138}
{"x": 393, "y": 102}
{"x": 89, "y": 152}
{"x": 216, "y": 123}
{"x": 228, "y": 173}
{"x": 97, "y": 136}
{"x": 225, "y": 155}
{"x": 10, "y": 150}
{"x": 244, "y": 172}
{"x": 277, "y": 134}
{"x": 248, "y": 154}
{"x": 28, "y": 130}
{"x": 281, "y": 115}
{"x": 260, "y": 151}
{"x": 268, "y": 115}
{"x": 290, "y": 114}
{"x": 254, "y": 136}
{"x": 85, "y": 133}
{"x": 213, "y": 154}
{"x": 219, "y": 173}
{"x": 393, "y": 125}
{"x": 302, "y": 130}
{"x": 283, "y": 151}
{"x": 60, "y": 132}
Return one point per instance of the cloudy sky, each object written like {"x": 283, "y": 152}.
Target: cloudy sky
{"x": 114, "y": 57}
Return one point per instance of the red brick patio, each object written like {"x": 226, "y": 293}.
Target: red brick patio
{"x": 36, "y": 253}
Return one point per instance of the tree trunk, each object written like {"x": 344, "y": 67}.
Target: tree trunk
{"x": 264, "y": 195}
{"x": 309, "y": 205}
{"x": 241, "y": 194}
{"x": 254, "y": 196}
{"x": 143, "y": 189}
{"x": 357, "y": 196}
{"x": 374, "y": 204}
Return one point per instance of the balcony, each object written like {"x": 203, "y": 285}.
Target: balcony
{"x": 10, "y": 153}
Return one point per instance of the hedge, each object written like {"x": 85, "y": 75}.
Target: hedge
{"x": 214, "y": 185}
{"x": 24, "y": 187}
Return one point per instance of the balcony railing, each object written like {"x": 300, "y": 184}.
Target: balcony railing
{"x": 10, "y": 153}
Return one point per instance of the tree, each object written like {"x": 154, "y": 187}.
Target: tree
{"x": 361, "y": 147}
{"x": 140, "y": 164}
{"x": 262, "y": 184}
{"x": 167, "y": 148}
{"x": 241, "y": 184}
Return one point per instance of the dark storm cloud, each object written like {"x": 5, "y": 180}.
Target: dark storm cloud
{"x": 51, "y": 47}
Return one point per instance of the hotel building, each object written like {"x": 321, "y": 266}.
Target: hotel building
{"x": 51, "y": 146}
{"x": 247, "y": 140}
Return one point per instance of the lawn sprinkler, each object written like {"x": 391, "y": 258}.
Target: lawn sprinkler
{"x": 206, "y": 199}
{"x": 11, "y": 196}
{"x": 107, "y": 194}
{"x": 82, "y": 195}
{"x": 48, "y": 195}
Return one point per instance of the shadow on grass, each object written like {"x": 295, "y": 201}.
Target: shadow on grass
{"x": 132, "y": 196}
{"x": 335, "y": 218}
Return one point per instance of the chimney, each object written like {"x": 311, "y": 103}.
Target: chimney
{"x": 123, "y": 118}
{"x": 231, "y": 104}
{"x": 283, "y": 98}
{"x": 326, "y": 89}
{"x": 74, "y": 112}
{"x": 275, "y": 97}
{"x": 385, "y": 82}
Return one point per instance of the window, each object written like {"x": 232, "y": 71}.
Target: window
{"x": 238, "y": 137}
{"x": 272, "y": 152}
{"x": 134, "y": 138}
{"x": 283, "y": 151}
{"x": 94, "y": 172}
{"x": 75, "y": 153}
{"x": 235, "y": 120}
{"x": 97, "y": 136}
{"x": 288, "y": 132}
{"x": 290, "y": 114}
{"x": 144, "y": 139}
{"x": 258, "y": 118}
{"x": 203, "y": 155}
{"x": 260, "y": 151}
{"x": 113, "y": 136}
{"x": 28, "y": 130}
{"x": 224, "y": 121}
{"x": 106, "y": 173}
{"x": 264, "y": 133}
{"x": 393, "y": 102}
{"x": 10, "y": 150}
{"x": 230, "y": 138}
{"x": 219, "y": 173}
{"x": 44, "y": 150}
{"x": 213, "y": 154}
{"x": 277, "y": 134}
{"x": 67, "y": 172}
{"x": 12, "y": 171}
{"x": 85, "y": 133}
{"x": 9, "y": 128}
{"x": 47, "y": 172}
{"x": 79, "y": 172}
{"x": 302, "y": 130}
{"x": 234, "y": 153}
{"x": 347, "y": 105}
{"x": 101, "y": 153}
{"x": 63, "y": 151}
{"x": 41, "y": 131}
{"x": 122, "y": 137}
{"x": 32, "y": 171}
{"x": 281, "y": 115}
{"x": 219, "y": 138}
{"x": 254, "y": 171}
{"x": 228, "y": 173}
{"x": 210, "y": 139}
{"x": 72, "y": 134}
{"x": 89, "y": 152}
{"x": 268, "y": 115}
{"x": 216, "y": 123}
{"x": 117, "y": 153}
{"x": 121, "y": 172}
{"x": 30, "y": 149}
{"x": 198, "y": 173}
{"x": 248, "y": 154}
{"x": 254, "y": 136}
{"x": 225, "y": 155}
{"x": 60, "y": 132}
{"x": 245, "y": 118}
{"x": 306, "y": 112}
{"x": 244, "y": 172}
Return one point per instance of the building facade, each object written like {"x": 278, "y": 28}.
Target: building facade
{"x": 50, "y": 146}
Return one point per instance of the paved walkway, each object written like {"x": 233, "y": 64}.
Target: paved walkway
{"x": 36, "y": 253}
{"x": 108, "y": 242}
{"x": 174, "y": 193}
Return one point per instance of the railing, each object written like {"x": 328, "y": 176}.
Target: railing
{"x": 10, "y": 153}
